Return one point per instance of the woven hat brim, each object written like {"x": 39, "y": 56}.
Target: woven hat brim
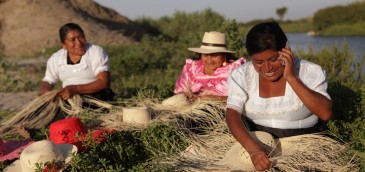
{"x": 237, "y": 158}
{"x": 208, "y": 51}
{"x": 176, "y": 100}
{"x": 66, "y": 149}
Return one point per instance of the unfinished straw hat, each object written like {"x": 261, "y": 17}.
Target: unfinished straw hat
{"x": 237, "y": 158}
{"x": 136, "y": 115}
{"x": 213, "y": 42}
{"x": 40, "y": 153}
{"x": 176, "y": 100}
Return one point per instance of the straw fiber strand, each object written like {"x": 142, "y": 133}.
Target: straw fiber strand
{"x": 42, "y": 110}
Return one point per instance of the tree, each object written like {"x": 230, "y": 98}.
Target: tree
{"x": 281, "y": 12}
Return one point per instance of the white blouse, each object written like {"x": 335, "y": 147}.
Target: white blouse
{"x": 94, "y": 61}
{"x": 283, "y": 112}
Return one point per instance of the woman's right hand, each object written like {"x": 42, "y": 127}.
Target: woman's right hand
{"x": 68, "y": 92}
{"x": 192, "y": 97}
{"x": 261, "y": 161}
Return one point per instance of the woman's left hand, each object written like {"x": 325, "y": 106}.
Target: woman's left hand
{"x": 67, "y": 92}
{"x": 288, "y": 61}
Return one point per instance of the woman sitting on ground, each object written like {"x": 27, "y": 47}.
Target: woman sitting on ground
{"x": 275, "y": 93}
{"x": 82, "y": 67}
{"x": 207, "y": 76}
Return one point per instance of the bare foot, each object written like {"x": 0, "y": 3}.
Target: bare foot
{"x": 23, "y": 132}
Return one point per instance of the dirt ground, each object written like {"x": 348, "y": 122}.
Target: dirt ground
{"x": 15, "y": 101}
{"x": 31, "y": 26}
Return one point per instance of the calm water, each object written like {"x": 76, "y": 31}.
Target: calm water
{"x": 301, "y": 40}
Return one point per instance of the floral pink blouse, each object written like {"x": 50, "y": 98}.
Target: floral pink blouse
{"x": 192, "y": 78}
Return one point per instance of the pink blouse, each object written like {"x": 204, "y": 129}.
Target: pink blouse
{"x": 192, "y": 78}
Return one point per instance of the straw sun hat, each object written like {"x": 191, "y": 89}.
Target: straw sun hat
{"x": 39, "y": 153}
{"x": 289, "y": 152}
{"x": 237, "y": 158}
{"x": 176, "y": 100}
{"x": 136, "y": 115}
{"x": 213, "y": 42}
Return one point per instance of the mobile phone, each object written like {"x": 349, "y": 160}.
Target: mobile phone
{"x": 287, "y": 44}
{"x": 282, "y": 62}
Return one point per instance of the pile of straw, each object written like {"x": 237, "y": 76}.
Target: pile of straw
{"x": 207, "y": 114}
{"x": 310, "y": 152}
{"x": 42, "y": 110}
{"x": 315, "y": 152}
{"x": 208, "y": 134}
{"x": 209, "y": 147}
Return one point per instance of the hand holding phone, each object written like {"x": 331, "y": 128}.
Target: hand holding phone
{"x": 286, "y": 46}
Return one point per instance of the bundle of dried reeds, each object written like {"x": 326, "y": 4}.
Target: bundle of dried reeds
{"x": 43, "y": 109}
{"x": 311, "y": 152}
{"x": 314, "y": 152}
{"x": 204, "y": 114}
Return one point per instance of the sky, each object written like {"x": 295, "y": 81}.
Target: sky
{"x": 241, "y": 10}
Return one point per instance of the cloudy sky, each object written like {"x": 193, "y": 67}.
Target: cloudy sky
{"x": 241, "y": 10}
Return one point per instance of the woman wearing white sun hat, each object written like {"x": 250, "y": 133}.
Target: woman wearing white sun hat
{"x": 207, "y": 76}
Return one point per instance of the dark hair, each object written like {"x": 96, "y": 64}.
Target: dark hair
{"x": 66, "y": 28}
{"x": 264, "y": 36}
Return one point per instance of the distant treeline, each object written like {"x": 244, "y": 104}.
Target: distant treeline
{"x": 336, "y": 20}
{"x": 341, "y": 20}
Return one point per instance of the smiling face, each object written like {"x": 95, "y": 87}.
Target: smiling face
{"x": 268, "y": 65}
{"x": 212, "y": 61}
{"x": 75, "y": 43}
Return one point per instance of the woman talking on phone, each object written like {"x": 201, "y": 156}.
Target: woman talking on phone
{"x": 274, "y": 92}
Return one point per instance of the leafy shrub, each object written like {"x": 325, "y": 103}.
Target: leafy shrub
{"x": 119, "y": 152}
{"x": 162, "y": 139}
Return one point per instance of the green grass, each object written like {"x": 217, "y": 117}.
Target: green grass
{"x": 356, "y": 29}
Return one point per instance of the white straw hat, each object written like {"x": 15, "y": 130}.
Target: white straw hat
{"x": 136, "y": 115}
{"x": 213, "y": 42}
{"x": 40, "y": 153}
{"x": 176, "y": 100}
{"x": 237, "y": 158}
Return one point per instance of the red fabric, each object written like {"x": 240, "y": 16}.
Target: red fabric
{"x": 72, "y": 131}
{"x": 10, "y": 150}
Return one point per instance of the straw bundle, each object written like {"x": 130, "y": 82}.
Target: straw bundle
{"x": 209, "y": 147}
{"x": 37, "y": 113}
{"x": 312, "y": 152}
{"x": 42, "y": 110}
{"x": 205, "y": 114}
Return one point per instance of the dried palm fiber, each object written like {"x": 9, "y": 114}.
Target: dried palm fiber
{"x": 313, "y": 152}
{"x": 40, "y": 112}
{"x": 206, "y": 113}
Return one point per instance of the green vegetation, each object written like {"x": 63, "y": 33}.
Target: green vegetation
{"x": 152, "y": 65}
{"x": 355, "y": 29}
{"x": 343, "y": 20}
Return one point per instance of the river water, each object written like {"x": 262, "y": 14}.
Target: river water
{"x": 302, "y": 40}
